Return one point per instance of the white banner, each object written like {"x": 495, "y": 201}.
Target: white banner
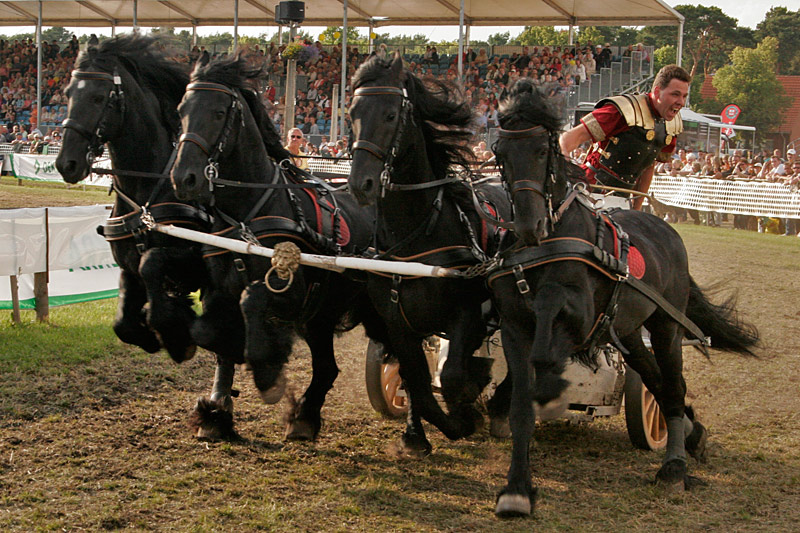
{"x": 81, "y": 265}
{"x": 43, "y": 168}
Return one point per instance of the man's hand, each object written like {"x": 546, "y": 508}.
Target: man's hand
{"x": 573, "y": 138}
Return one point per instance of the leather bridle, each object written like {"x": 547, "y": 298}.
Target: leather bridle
{"x": 116, "y": 99}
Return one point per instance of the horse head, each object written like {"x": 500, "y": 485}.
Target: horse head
{"x": 94, "y": 115}
{"x": 123, "y": 92}
{"x": 528, "y": 155}
{"x": 379, "y": 110}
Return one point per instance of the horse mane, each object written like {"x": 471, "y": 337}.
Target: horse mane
{"x": 526, "y": 103}
{"x": 235, "y": 73}
{"x": 140, "y": 56}
{"x": 445, "y": 117}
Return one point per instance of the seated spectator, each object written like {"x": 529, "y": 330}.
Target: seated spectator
{"x": 481, "y": 58}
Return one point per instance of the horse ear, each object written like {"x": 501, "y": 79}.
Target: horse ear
{"x": 203, "y": 59}
{"x": 397, "y": 64}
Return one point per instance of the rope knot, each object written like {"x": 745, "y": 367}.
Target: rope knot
{"x": 284, "y": 264}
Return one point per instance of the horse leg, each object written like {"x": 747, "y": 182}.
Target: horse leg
{"x": 498, "y": 407}
{"x": 518, "y": 496}
{"x": 169, "y": 315}
{"x": 129, "y": 323}
{"x": 220, "y": 329}
{"x": 422, "y": 405}
{"x": 212, "y": 418}
{"x": 306, "y": 421}
{"x": 551, "y": 346}
{"x": 464, "y": 376}
{"x": 666, "y": 340}
{"x": 268, "y": 342}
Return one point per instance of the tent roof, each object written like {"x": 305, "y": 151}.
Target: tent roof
{"x": 178, "y": 13}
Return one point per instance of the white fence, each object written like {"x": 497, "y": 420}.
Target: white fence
{"x": 739, "y": 197}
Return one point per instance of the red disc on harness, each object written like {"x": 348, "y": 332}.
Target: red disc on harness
{"x": 344, "y": 232}
{"x": 636, "y": 264}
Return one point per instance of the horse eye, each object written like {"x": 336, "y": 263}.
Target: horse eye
{"x": 220, "y": 114}
{"x": 98, "y": 99}
{"x": 390, "y": 117}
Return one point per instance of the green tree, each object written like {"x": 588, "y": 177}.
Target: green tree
{"x": 709, "y": 35}
{"x": 542, "y": 36}
{"x": 498, "y": 39}
{"x": 329, "y": 36}
{"x": 750, "y": 82}
{"x": 664, "y": 56}
{"x": 58, "y": 34}
{"x": 784, "y": 25}
{"x": 590, "y": 34}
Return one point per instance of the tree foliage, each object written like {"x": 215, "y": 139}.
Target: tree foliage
{"x": 498, "y": 39}
{"x": 709, "y": 35}
{"x": 750, "y": 82}
{"x": 542, "y": 36}
{"x": 665, "y": 55}
{"x": 784, "y": 25}
{"x": 333, "y": 35}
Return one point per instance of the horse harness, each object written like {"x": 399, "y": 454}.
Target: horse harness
{"x": 136, "y": 223}
{"x": 613, "y": 265}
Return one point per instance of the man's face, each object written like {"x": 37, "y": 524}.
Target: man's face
{"x": 669, "y": 100}
{"x": 796, "y": 168}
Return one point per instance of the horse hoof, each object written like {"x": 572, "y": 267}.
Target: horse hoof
{"x": 213, "y": 419}
{"x": 696, "y": 443}
{"x": 499, "y": 428}
{"x": 672, "y": 475}
{"x": 300, "y": 430}
{"x": 513, "y": 505}
{"x": 414, "y": 447}
{"x": 274, "y": 394}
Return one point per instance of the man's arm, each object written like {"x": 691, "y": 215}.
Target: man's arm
{"x": 643, "y": 185}
{"x": 573, "y": 138}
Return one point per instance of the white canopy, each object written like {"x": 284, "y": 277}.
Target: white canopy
{"x": 692, "y": 116}
{"x": 177, "y": 13}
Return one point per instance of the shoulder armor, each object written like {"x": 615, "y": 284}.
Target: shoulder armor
{"x": 675, "y": 126}
{"x": 634, "y": 108}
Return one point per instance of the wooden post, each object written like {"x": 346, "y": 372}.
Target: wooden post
{"x": 41, "y": 279}
{"x": 15, "y": 316}
{"x": 40, "y": 296}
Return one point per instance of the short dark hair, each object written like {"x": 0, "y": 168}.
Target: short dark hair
{"x": 669, "y": 73}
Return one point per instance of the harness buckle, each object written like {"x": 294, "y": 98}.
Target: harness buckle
{"x": 239, "y": 264}
{"x": 394, "y": 292}
{"x": 522, "y": 283}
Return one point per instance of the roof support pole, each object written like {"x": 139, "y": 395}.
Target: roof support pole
{"x": 371, "y": 40}
{"x": 194, "y": 35}
{"x": 280, "y": 34}
{"x": 39, "y": 67}
{"x": 571, "y": 34}
{"x": 235, "y": 25}
{"x": 291, "y": 91}
{"x": 343, "y": 85}
{"x": 679, "y": 53}
{"x": 461, "y": 42}
{"x": 136, "y": 15}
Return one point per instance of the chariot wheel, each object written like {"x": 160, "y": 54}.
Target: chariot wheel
{"x": 384, "y": 385}
{"x": 647, "y": 427}
{"x": 382, "y": 375}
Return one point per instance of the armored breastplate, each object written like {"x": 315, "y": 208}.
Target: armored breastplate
{"x": 632, "y": 151}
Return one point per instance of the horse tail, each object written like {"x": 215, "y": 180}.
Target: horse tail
{"x": 721, "y": 322}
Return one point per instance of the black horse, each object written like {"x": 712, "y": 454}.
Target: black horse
{"x": 585, "y": 278}
{"x": 228, "y": 135}
{"x": 408, "y": 139}
{"x": 124, "y": 93}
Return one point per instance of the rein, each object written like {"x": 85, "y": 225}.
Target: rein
{"x": 116, "y": 98}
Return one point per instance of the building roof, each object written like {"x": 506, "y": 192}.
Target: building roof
{"x": 177, "y": 13}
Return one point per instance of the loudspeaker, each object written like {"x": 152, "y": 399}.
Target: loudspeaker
{"x": 287, "y": 12}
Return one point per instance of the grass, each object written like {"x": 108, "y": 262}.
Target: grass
{"x": 93, "y": 436}
{"x": 28, "y": 193}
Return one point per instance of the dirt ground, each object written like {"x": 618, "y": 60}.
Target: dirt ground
{"x": 106, "y": 446}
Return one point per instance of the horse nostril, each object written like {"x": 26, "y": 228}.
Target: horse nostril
{"x": 368, "y": 185}
{"x": 69, "y": 166}
{"x": 191, "y": 180}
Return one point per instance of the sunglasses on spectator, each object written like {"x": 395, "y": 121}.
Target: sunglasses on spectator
{"x": 297, "y": 136}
